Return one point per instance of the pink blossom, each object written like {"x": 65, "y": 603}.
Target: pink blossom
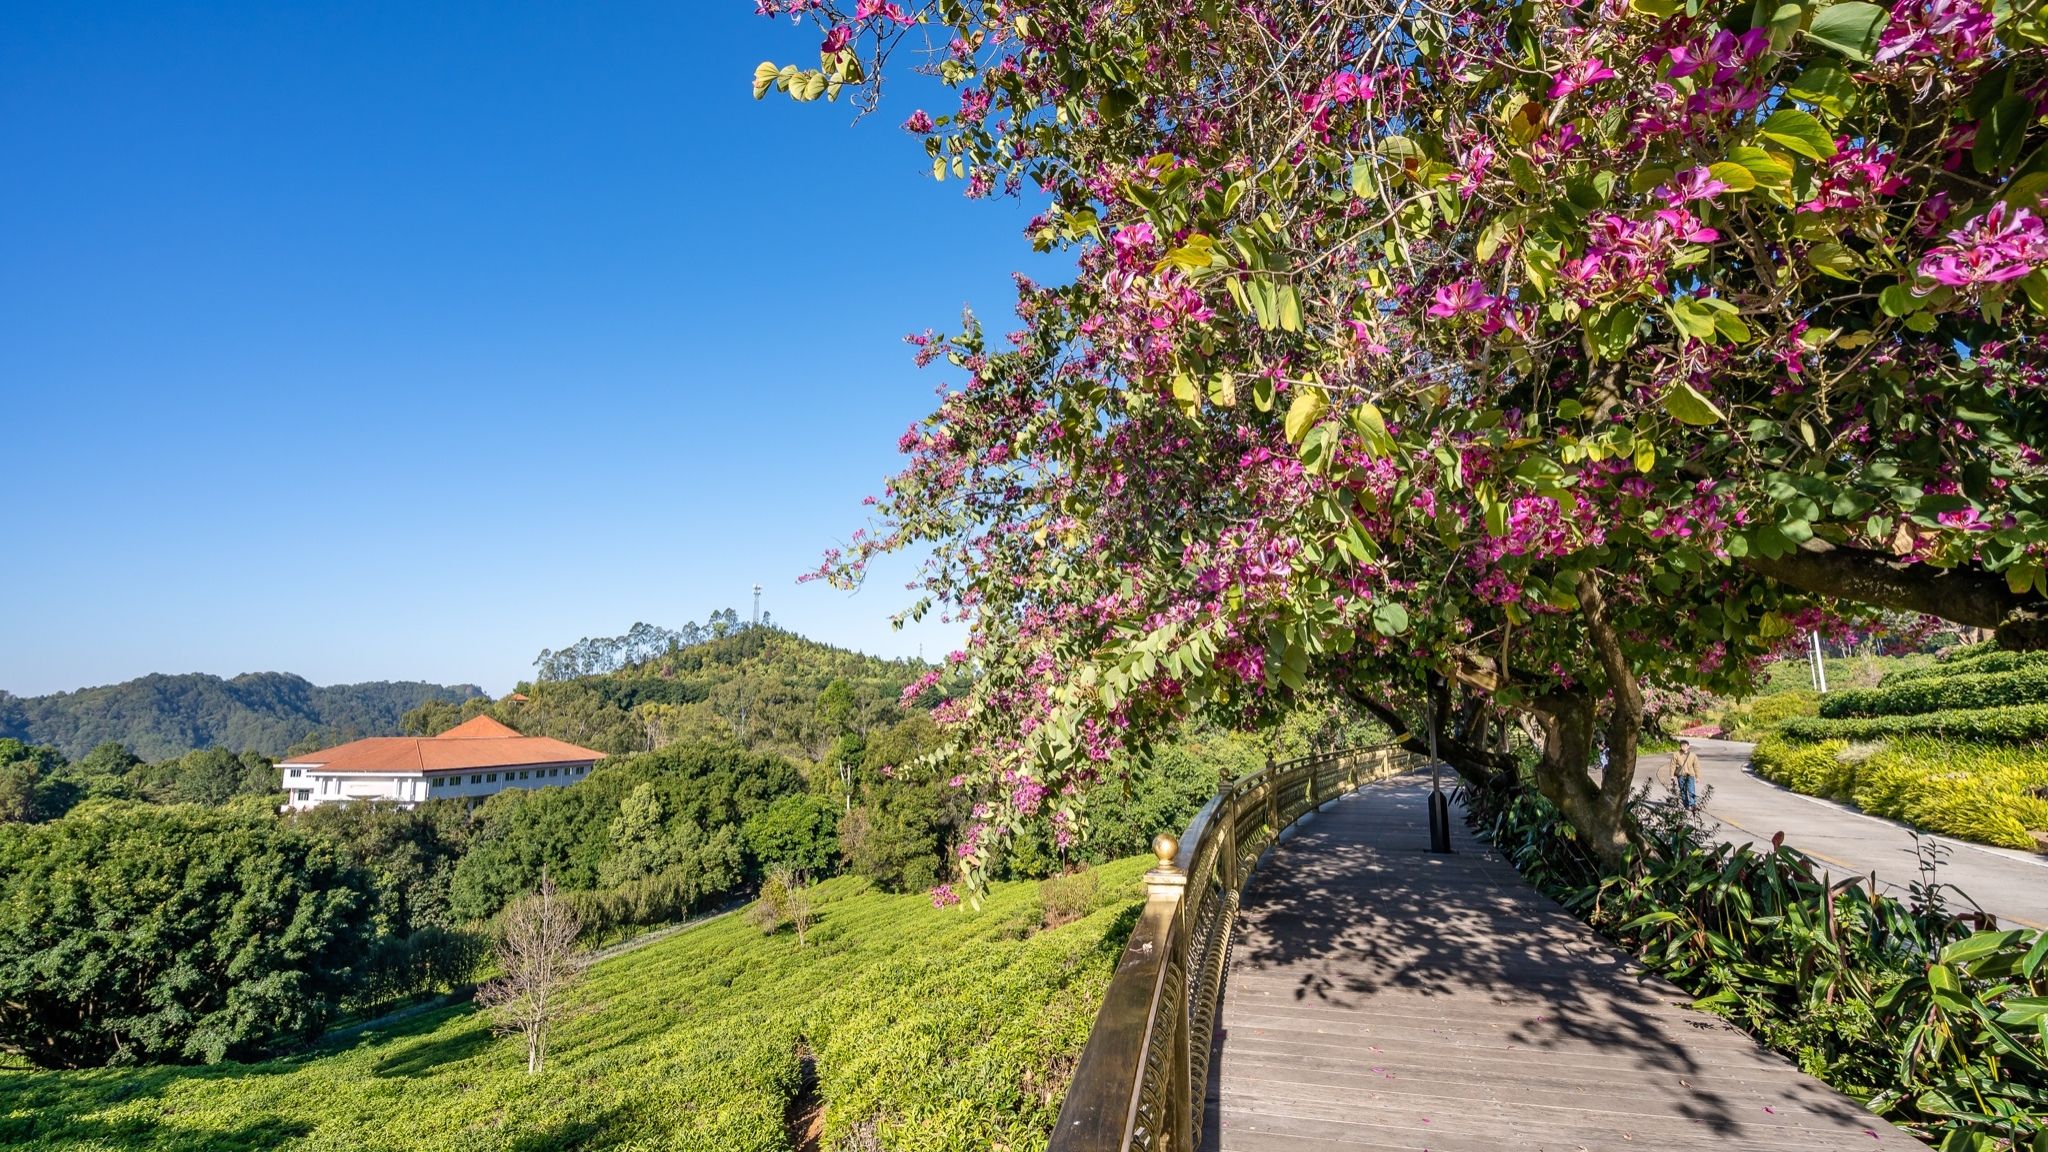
{"x": 869, "y": 9}
{"x": 1691, "y": 184}
{"x": 1464, "y": 296}
{"x": 920, "y": 122}
{"x": 1583, "y": 74}
{"x": 837, "y": 39}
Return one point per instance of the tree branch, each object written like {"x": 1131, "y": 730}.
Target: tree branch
{"x": 1966, "y": 596}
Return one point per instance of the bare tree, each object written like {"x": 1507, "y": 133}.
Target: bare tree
{"x": 785, "y": 898}
{"x": 539, "y": 961}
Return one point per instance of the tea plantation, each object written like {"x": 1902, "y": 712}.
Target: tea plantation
{"x": 1955, "y": 747}
{"x": 930, "y": 1030}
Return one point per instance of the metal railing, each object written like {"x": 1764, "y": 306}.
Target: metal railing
{"x": 1142, "y": 1077}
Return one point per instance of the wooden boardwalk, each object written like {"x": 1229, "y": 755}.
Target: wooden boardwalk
{"x": 1381, "y": 997}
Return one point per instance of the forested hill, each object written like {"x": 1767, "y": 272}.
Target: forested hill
{"x": 758, "y": 687}
{"x": 159, "y": 716}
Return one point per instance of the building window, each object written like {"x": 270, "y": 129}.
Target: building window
{"x": 553, "y": 771}
{"x": 476, "y": 779}
{"x": 491, "y": 778}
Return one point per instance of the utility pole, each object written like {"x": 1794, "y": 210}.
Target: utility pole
{"x": 757, "y": 605}
{"x": 1816, "y": 666}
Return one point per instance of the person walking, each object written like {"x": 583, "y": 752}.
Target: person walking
{"x": 1685, "y": 772}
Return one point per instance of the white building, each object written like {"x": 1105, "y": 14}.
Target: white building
{"x": 474, "y": 759}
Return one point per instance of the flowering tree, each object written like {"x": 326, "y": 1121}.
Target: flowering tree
{"x": 1543, "y": 350}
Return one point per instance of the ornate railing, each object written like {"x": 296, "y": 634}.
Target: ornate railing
{"x": 1141, "y": 1081}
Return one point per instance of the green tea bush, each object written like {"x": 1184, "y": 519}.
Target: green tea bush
{"x": 2017, "y": 724}
{"x": 940, "y": 1030}
{"x": 1751, "y": 720}
{"x": 1987, "y": 794}
{"x": 1976, "y": 658}
{"x": 2028, "y": 685}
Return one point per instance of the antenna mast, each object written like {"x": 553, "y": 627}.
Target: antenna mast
{"x": 757, "y": 605}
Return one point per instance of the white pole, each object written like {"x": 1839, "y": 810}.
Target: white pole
{"x": 1820, "y": 668}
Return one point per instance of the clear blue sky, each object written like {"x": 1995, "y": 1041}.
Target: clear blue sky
{"x": 402, "y": 340}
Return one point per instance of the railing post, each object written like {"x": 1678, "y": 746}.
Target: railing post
{"x": 1168, "y": 881}
{"x": 1272, "y": 797}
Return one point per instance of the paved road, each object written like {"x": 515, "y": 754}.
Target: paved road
{"x": 1745, "y": 808}
{"x": 1384, "y": 999}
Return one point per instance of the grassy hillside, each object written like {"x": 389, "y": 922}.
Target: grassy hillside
{"x": 932, "y": 1030}
{"x": 159, "y": 717}
{"x": 1952, "y": 746}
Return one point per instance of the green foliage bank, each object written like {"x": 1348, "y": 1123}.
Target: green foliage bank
{"x": 930, "y": 1029}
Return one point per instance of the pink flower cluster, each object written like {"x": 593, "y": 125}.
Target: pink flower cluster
{"x": 1954, "y": 31}
{"x": 2000, "y": 246}
{"x": 1856, "y": 176}
{"x": 1626, "y": 255}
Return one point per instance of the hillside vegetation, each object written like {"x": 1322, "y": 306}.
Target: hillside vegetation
{"x": 1951, "y": 746}
{"x": 931, "y": 1029}
{"x": 159, "y": 717}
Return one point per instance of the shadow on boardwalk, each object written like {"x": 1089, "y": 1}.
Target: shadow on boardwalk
{"x": 1384, "y": 997}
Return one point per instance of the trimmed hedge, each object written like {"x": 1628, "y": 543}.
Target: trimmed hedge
{"x": 1753, "y": 719}
{"x": 2014, "y": 725}
{"x": 1992, "y": 795}
{"x": 1976, "y": 658}
{"x": 2025, "y": 685}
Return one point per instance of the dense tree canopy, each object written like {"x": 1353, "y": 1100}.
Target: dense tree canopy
{"x": 151, "y": 934}
{"x": 163, "y": 717}
{"x": 1533, "y": 353}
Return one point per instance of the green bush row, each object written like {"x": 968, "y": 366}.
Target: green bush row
{"x": 2025, "y": 685}
{"x": 1987, "y": 793}
{"x": 1752, "y": 719}
{"x": 1976, "y": 658}
{"x": 2012, "y": 725}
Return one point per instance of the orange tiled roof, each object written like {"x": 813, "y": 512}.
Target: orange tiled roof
{"x": 473, "y": 744}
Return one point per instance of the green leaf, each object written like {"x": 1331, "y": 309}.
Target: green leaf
{"x": 1308, "y": 406}
{"x": 1735, "y": 176}
{"x": 1695, "y": 318}
{"x": 1769, "y": 171}
{"x": 1826, "y": 86}
{"x": 1363, "y": 185}
{"x": 1196, "y": 255}
{"x": 1389, "y": 618}
{"x": 1799, "y": 132}
{"x": 1900, "y": 300}
{"x": 1850, "y": 28}
{"x": 1833, "y": 259}
{"x": 2000, "y": 134}
{"x": 764, "y": 78}
{"x": 1685, "y": 404}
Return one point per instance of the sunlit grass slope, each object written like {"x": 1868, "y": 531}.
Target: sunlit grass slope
{"x": 932, "y": 1029}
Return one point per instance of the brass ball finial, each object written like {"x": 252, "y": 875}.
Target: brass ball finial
{"x": 1165, "y": 847}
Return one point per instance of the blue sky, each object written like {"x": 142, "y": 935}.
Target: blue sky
{"x": 395, "y": 341}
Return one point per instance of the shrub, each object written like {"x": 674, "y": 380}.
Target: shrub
{"x": 1988, "y": 794}
{"x": 2028, "y": 685}
{"x": 1753, "y": 719}
{"x": 1065, "y": 899}
{"x": 1854, "y": 987}
{"x": 2017, "y": 724}
{"x": 1976, "y": 658}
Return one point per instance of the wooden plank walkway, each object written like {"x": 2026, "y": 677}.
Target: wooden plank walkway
{"x": 1384, "y": 998}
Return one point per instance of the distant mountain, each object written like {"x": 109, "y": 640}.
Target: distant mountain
{"x": 161, "y": 716}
